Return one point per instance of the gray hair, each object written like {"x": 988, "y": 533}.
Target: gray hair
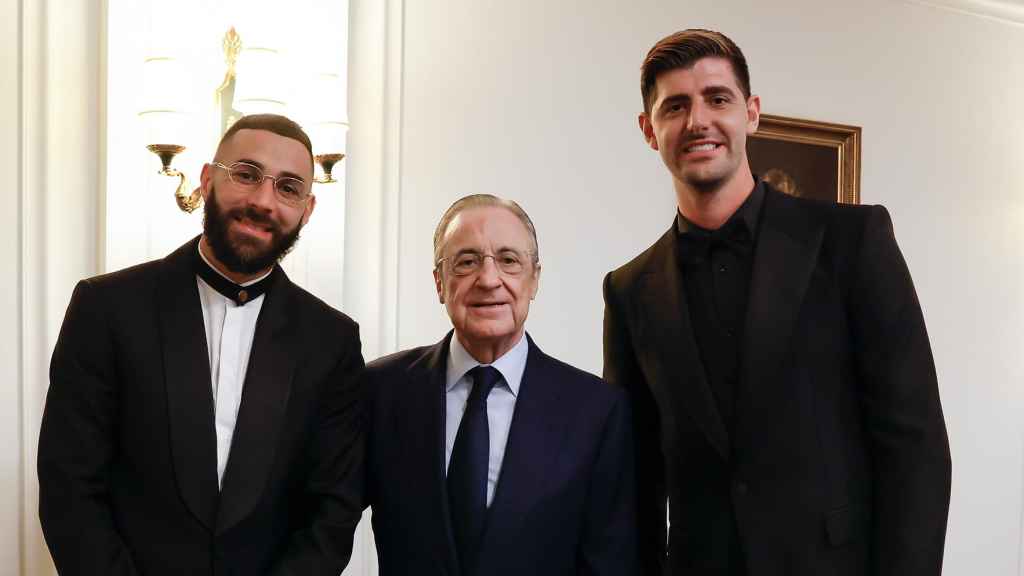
{"x": 476, "y": 201}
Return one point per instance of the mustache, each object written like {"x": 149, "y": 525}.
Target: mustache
{"x": 253, "y": 215}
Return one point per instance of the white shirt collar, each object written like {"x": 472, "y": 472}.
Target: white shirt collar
{"x": 511, "y": 364}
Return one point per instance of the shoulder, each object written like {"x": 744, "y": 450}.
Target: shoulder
{"x": 127, "y": 278}
{"x": 120, "y": 288}
{"x": 319, "y": 314}
{"x": 842, "y": 223}
{"x": 399, "y": 362}
{"x": 625, "y": 277}
{"x": 580, "y": 384}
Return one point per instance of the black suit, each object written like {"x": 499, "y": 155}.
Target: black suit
{"x": 127, "y": 454}
{"x": 838, "y": 462}
{"x": 564, "y": 501}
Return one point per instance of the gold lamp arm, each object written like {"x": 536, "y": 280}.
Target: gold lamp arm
{"x": 187, "y": 201}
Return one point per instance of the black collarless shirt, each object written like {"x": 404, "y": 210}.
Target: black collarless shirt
{"x": 716, "y": 267}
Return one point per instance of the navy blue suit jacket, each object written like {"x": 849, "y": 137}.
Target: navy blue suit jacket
{"x": 564, "y": 503}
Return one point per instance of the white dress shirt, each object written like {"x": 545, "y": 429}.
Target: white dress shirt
{"x": 229, "y": 332}
{"x": 501, "y": 403}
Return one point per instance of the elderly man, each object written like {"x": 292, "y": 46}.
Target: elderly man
{"x": 203, "y": 416}
{"x": 787, "y": 409}
{"x": 486, "y": 456}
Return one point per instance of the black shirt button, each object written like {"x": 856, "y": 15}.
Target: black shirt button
{"x": 723, "y": 269}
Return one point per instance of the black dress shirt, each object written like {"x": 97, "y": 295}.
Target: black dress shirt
{"x": 716, "y": 267}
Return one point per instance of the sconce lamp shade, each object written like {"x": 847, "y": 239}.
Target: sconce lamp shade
{"x": 328, "y": 137}
{"x": 261, "y": 81}
{"x": 165, "y": 127}
{"x": 165, "y": 86}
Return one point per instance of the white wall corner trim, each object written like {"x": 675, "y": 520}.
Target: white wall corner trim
{"x": 1005, "y": 11}
{"x": 56, "y": 98}
{"x": 374, "y": 182}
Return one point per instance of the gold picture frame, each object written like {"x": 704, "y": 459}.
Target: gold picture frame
{"x": 807, "y": 158}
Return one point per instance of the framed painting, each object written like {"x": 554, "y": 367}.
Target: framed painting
{"x": 806, "y": 158}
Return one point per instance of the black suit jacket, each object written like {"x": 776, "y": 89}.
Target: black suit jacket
{"x": 839, "y": 462}
{"x": 127, "y": 454}
{"x": 564, "y": 500}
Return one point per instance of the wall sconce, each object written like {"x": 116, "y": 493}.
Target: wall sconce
{"x": 251, "y": 84}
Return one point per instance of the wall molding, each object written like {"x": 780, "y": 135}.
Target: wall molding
{"x": 57, "y": 92}
{"x": 1002, "y": 11}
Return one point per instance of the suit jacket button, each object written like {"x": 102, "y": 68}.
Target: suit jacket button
{"x": 741, "y": 488}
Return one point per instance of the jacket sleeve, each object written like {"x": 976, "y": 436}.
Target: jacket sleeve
{"x": 621, "y": 368}
{"x": 609, "y": 543}
{"x": 77, "y": 445}
{"x": 335, "y": 485}
{"x": 903, "y": 418}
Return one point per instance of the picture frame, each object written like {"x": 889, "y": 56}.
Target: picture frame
{"x": 807, "y": 158}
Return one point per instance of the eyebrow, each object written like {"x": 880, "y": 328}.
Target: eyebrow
{"x": 712, "y": 90}
{"x": 263, "y": 168}
{"x": 498, "y": 251}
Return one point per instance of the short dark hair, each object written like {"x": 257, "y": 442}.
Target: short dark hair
{"x": 682, "y": 50}
{"x": 280, "y": 125}
{"x": 475, "y": 201}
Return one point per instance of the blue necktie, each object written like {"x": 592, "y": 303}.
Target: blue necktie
{"x": 467, "y": 471}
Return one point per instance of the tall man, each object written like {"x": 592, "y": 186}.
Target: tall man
{"x": 487, "y": 457}
{"x": 203, "y": 416}
{"x": 785, "y": 396}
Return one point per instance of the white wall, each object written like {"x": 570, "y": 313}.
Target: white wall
{"x": 537, "y": 100}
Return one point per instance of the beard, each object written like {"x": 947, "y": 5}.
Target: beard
{"x": 244, "y": 255}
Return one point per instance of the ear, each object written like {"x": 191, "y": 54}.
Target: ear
{"x": 310, "y": 205}
{"x": 439, "y": 285}
{"x": 753, "y": 113}
{"x": 205, "y": 178}
{"x": 648, "y": 130}
{"x": 536, "y": 282}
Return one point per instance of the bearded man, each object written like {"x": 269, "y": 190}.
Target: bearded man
{"x": 203, "y": 415}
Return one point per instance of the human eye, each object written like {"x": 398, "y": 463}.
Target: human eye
{"x": 720, "y": 100}
{"x": 510, "y": 261}
{"x": 246, "y": 174}
{"x": 509, "y": 257}
{"x": 466, "y": 262}
{"x": 290, "y": 188}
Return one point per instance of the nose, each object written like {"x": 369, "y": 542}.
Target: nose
{"x": 264, "y": 195}
{"x": 698, "y": 119}
{"x": 489, "y": 276}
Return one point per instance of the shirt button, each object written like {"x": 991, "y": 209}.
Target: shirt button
{"x": 723, "y": 269}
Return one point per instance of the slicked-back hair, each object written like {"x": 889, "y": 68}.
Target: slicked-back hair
{"x": 280, "y": 125}
{"x": 477, "y": 201}
{"x": 682, "y": 50}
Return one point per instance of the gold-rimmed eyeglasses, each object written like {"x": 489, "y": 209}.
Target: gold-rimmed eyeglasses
{"x": 509, "y": 262}
{"x": 290, "y": 190}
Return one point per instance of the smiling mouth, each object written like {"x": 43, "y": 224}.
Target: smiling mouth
{"x": 249, "y": 223}
{"x": 487, "y": 305}
{"x": 707, "y": 147}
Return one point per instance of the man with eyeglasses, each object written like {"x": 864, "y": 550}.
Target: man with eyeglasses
{"x": 204, "y": 415}
{"x": 486, "y": 456}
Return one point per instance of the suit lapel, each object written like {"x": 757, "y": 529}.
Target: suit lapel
{"x": 189, "y": 390}
{"x": 785, "y": 257}
{"x": 422, "y": 428}
{"x": 538, "y": 430}
{"x": 261, "y": 415}
{"x": 668, "y": 334}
